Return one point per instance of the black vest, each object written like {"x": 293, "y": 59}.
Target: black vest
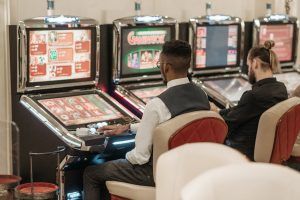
{"x": 184, "y": 98}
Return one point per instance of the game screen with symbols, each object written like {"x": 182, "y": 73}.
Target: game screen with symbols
{"x": 141, "y": 48}
{"x": 146, "y": 94}
{"x": 75, "y": 110}
{"x": 216, "y": 46}
{"x": 231, "y": 88}
{"x": 56, "y": 55}
{"x": 282, "y": 35}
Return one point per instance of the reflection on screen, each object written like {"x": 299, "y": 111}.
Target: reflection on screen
{"x": 283, "y": 38}
{"x": 59, "y": 55}
{"x": 146, "y": 94}
{"x": 141, "y": 48}
{"x": 291, "y": 80}
{"x": 216, "y": 46}
{"x": 231, "y": 88}
{"x": 81, "y": 109}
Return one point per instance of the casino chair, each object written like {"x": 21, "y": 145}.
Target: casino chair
{"x": 199, "y": 126}
{"x": 277, "y": 132}
{"x": 177, "y": 167}
{"x": 259, "y": 181}
{"x": 296, "y": 149}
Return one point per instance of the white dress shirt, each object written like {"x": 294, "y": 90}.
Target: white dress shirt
{"x": 155, "y": 113}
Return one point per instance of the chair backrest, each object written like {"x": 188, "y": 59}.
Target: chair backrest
{"x": 259, "y": 181}
{"x": 277, "y": 132}
{"x": 199, "y": 126}
{"x": 178, "y": 166}
{"x": 296, "y": 148}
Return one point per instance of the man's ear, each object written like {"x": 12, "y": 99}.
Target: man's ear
{"x": 255, "y": 63}
{"x": 167, "y": 68}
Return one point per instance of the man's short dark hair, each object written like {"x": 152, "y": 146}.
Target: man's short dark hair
{"x": 179, "y": 53}
{"x": 177, "y": 48}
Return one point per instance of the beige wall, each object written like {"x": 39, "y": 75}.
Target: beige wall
{"x": 105, "y": 11}
{"x": 4, "y": 90}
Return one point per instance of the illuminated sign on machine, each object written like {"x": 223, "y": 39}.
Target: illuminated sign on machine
{"x": 141, "y": 48}
{"x": 216, "y": 46}
{"x": 282, "y": 34}
{"x": 83, "y": 109}
{"x": 56, "y": 55}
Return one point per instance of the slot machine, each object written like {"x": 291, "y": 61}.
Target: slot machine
{"x": 217, "y": 41}
{"x": 137, "y": 43}
{"x": 54, "y": 62}
{"x": 284, "y": 31}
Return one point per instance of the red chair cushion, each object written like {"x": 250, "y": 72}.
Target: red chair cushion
{"x": 114, "y": 197}
{"x": 208, "y": 129}
{"x": 287, "y": 131}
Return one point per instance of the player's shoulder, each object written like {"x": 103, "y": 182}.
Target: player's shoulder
{"x": 154, "y": 104}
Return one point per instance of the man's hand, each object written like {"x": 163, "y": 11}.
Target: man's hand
{"x": 213, "y": 107}
{"x": 112, "y": 130}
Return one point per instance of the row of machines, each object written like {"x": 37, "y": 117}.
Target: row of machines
{"x": 55, "y": 102}
{"x": 70, "y": 76}
{"x": 220, "y": 45}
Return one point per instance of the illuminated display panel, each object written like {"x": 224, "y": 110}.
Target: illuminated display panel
{"x": 140, "y": 49}
{"x": 231, "y": 88}
{"x": 283, "y": 38}
{"x": 58, "y": 55}
{"x": 216, "y": 46}
{"x": 146, "y": 94}
{"x": 82, "y": 109}
{"x": 291, "y": 80}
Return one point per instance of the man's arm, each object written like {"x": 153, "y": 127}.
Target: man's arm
{"x": 243, "y": 112}
{"x": 143, "y": 139}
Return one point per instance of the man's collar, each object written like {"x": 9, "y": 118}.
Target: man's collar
{"x": 264, "y": 81}
{"x": 179, "y": 81}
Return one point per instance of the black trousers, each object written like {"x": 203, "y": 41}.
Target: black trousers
{"x": 94, "y": 177}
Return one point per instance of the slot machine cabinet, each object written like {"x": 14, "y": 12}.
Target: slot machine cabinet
{"x": 217, "y": 44}
{"x": 284, "y": 30}
{"x": 54, "y": 61}
{"x": 137, "y": 43}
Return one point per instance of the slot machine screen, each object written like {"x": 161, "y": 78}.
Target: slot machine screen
{"x": 291, "y": 80}
{"x": 146, "y": 94}
{"x": 140, "y": 49}
{"x": 82, "y": 109}
{"x": 60, "y": 55}
{"x": 216, "y": 46}
{"x": 282, "y": 34}
{"x": 231, "y": 88}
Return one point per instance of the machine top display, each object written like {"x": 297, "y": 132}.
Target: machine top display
{"x": 141, "y": 48}
{"x": 53, "y": 54}
{"x": 56, "y": 55}
{"x": 217, "y": 42}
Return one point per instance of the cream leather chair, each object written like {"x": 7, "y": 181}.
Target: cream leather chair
{"x": 177, "y": 167}
{"x": 200, "y": 126}
{"x": 253, "y": 181}
{"x": 277, "y": 132}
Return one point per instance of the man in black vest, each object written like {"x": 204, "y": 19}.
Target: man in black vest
{"x": 180, "y": 97}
